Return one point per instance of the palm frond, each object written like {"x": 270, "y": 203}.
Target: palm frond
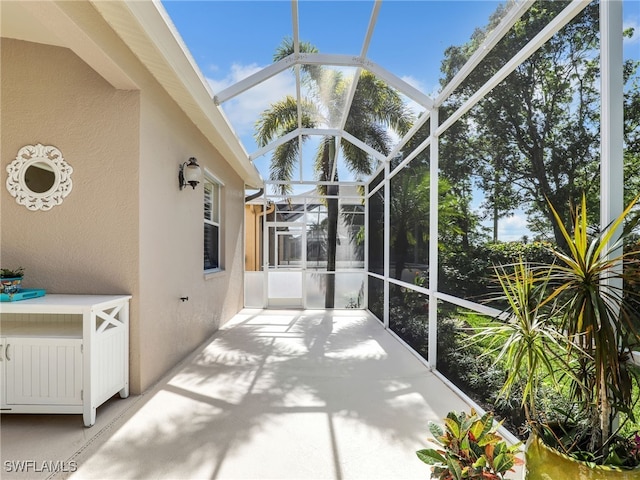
{"x": 357, "y": 160}
{"x": 279, "y": 119}
{"x": 380, "y": 104}
{"x": 286, "y": 48}
{"x": 283, "y": 164}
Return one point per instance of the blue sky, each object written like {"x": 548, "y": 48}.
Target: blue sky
{"x": 230, "y": 40}
{"x": 409, "y": 39}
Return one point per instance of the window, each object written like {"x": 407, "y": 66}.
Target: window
{"x": 211, "y": 224}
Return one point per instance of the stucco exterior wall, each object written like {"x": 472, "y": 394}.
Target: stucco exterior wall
{"x": 89, "y": 243}
{"x": 171, "y": 239}
{"x": 126, "y": 227}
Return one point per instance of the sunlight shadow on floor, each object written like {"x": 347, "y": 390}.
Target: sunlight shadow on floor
{"x": 283, "y": 394}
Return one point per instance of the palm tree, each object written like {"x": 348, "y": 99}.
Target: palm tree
{"x": 375, "y": 108}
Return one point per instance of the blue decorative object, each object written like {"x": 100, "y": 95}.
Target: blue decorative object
{"x": 10, "y": 285}
{"x": 23, "y": 294}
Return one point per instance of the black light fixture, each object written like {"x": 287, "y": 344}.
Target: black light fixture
{"x": 189, "y": 173}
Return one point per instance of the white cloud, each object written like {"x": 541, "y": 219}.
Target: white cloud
{"x": 430, "y": 90}
{"x": 414, "y": 82}
{"x": 415, "y": 107}
{"x": 513, "y": 228}
{"x": 243, "y": 110}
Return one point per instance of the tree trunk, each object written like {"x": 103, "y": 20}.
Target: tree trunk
{"x": 400, "y": 248}
{"x": 563, "y": 212}
{"x": 495, "y": 222}
{"x": 605, "y": 409}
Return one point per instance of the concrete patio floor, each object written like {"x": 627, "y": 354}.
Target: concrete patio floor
{"x": 273, "y": 395}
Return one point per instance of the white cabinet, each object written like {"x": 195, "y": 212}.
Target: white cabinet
{"x": 63, "y": 353}
{"x": 41, "y": 371}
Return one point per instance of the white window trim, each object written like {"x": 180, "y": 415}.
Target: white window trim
{"x": 211, "y": 178}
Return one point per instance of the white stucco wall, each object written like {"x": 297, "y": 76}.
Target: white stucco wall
{"x": 89, "y": 243}
{"x": 126, "y": 227}
{"x": 171, "y": 239}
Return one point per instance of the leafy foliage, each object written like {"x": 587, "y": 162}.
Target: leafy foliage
{"x": 536, "y": 136}
{"x": 571, "y": 324}
{"x": 470, "y": 449}
{"x": 477, "y": 263}
{"x": 598, "y": 317}
{"x": 530, "y": 343}
{"x": 11, "y": 272}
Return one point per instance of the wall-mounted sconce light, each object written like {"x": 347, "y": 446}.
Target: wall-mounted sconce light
{"x": 189, "y": 173}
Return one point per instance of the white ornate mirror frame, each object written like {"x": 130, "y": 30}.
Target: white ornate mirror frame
{"x": 39, "y": 178}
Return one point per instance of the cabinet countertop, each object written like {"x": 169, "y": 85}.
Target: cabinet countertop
{"x": 60, "y": 303}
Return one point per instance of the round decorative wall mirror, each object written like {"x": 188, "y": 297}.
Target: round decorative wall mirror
{"x": 39, "y": 178}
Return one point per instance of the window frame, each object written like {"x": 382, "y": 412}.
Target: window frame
{"x": 215, "y": 220}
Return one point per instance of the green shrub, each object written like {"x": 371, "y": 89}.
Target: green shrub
{"x": 469, "y": 448}
{"x": 470, "y": 274}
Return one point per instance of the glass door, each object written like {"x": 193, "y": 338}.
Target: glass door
{"x": 286, "y": 247}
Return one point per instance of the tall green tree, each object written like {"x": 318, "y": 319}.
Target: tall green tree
{"x": 543, "y": 119}
{"x": 459, "y": 161}
{"x": 632, "y": 127}
{"x": 375, "y": 109}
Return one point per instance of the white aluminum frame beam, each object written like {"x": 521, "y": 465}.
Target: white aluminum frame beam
{"x": 417, "y": 151}
{"x": 363, "y": 54}
{"x": 564, "y": 17}
{"x": 356, "y": 79}
{"x": 323, "y": 59}
{"x": 487, "y": 45}
{"x": 434, "y": 163}
{"x": 363, "y": 146}
{"x": 312, "y": 182}
{"x": 409, "y": 135}
{"x": 611, "y": 123}
{"x": 386, "y": 246}
{"x": 396, "y": 82}
{"x": 321, "y": 132}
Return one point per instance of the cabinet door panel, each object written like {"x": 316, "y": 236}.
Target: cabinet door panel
{"x": 43, "y": 371}
{"x": 3, "y": 388}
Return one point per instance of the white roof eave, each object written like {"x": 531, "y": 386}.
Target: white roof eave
{"x": 147, "y": 30}
{"x": 54, "y": 23}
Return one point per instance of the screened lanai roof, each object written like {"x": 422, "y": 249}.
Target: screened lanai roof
{"x": 393, "y": 40}
{"x": 400, "y": 42}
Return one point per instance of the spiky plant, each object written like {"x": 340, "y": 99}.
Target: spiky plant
{"x": 597, "y": 315}
{"x": 528, "y": 344}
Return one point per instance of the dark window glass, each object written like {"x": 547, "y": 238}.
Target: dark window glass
{"x": 376, "y": 232}
{"x": 409, "y": 223}
{"x": 409, "y": 317}
{"x": 376, "y": 297}
{"x": 211, "y": 225}
{"x": 211, "y": 250}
